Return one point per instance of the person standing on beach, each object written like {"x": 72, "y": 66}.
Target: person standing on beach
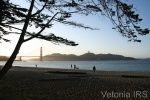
{"x": 74, "y": 66}
{"x": 71, "y": 66}
{"x": 94, "y": 69}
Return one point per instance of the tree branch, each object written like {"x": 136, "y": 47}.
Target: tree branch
{"x": 41, "y": 29}
{"x": 75, "y": 24}
{"x": 1, "y": 7}
{"x": 39, "y": 11}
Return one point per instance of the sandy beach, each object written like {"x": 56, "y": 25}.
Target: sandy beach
{"x": 24, "y": 83}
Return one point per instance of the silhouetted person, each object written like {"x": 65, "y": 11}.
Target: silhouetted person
{"x": 94, "y": 69}
{"x": 74, "y": 66}
{"x": 71, "y": 66}
{"x": 36, "y": 65}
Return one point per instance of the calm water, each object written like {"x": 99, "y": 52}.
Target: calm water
{"x": 111, "y": 65}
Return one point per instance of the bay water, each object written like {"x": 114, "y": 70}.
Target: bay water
{"x": 108, "y": 65}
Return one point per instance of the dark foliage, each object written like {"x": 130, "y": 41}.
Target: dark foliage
{"x": 121, "y": 14}
{"x": 124, "y": 18}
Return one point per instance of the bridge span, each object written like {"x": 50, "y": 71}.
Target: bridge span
{"x": 40, "y": 56}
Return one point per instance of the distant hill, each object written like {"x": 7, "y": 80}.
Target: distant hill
{"x": 3, "y": 58}
{"x": 84, "y": 57}
{"x": 147, "y": 58}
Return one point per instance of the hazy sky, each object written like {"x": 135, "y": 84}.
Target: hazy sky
{"x": 105, "y": 40}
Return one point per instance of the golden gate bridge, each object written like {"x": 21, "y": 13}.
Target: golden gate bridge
{"x": 20, "y": 57}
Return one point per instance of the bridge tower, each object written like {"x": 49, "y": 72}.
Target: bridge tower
{"x": 41, "y": 54}
{"x": 20, "y": 58}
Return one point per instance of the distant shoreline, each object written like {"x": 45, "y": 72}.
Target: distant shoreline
{"x": 84, "y": 57}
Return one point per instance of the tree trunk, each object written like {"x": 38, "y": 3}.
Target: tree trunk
{"x": 10, "y": 61}
{"x": 1, "y": 7}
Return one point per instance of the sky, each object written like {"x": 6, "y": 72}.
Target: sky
{"x": 102, "y": 41}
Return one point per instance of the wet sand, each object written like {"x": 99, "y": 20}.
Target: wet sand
{"x": 24, "y": 83}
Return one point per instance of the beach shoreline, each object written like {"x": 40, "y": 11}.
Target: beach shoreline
{"x": 73, "y": 84}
